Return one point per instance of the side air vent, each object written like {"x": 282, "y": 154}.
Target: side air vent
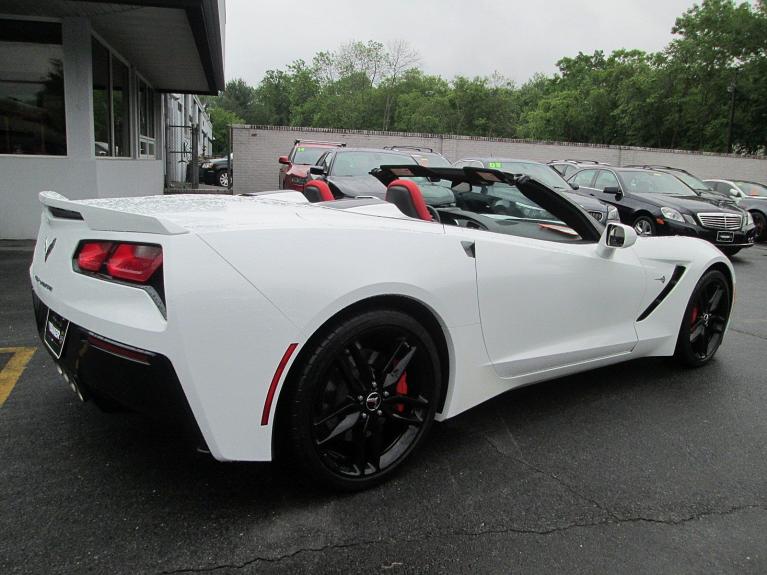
{"x": 64, "y": 214}
{"x": 675, "y": 277}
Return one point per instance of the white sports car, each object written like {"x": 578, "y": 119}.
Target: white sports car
{"x": 336, "y": 332}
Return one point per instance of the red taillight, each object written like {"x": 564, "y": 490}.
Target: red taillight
{"x": 92, "y": 255}
{"x": 134, "y": 262}
{"x": 130, "y": 262}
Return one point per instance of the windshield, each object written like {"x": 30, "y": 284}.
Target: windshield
{"x": 308, "y": 155}
{"x": 692, "y": 181}
{"x": 752, "y": 189}
{"x": 431, "y": 160}
{"x": 544, "y": 174}
{"x": 654, "y": 183}
{"x": 360, "y": 163}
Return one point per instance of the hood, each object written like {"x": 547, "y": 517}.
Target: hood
{"x": 353, "y": 186}
{"x": 586, "y": 202}
{"x": 692, "y": 204}
{"x": 300, "y": 170}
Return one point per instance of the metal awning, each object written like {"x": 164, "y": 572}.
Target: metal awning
{"x": 177, "y": 45}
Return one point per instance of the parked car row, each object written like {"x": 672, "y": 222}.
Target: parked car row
{"x": 654, "y": 200}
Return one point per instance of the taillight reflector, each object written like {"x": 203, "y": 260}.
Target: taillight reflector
{"x": 92, "y": 255}
{"x": 134, "y": 262}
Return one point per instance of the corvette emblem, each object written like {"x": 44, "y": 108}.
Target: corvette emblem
{"x": 49, "y": 243}
{"x": 661, "y": 279}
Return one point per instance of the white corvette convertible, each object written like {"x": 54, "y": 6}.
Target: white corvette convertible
{"x": 334, "y": 333}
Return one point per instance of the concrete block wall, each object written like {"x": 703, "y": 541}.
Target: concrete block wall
{"x": 256, "y": 149}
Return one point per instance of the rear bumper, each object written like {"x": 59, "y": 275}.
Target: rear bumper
{"x": 146, "y": 383}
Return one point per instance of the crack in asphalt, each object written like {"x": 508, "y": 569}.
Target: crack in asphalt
{"x": 556, "y": 478}
{"x": 614, "y": 520}
{"x": 747, "y": 333}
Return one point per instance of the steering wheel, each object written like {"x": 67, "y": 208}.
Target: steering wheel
{"x": 434, "y": 213}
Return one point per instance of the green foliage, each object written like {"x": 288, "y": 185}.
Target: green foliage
{"x": 678, "y": 98}
{"x": 221, "y": 120}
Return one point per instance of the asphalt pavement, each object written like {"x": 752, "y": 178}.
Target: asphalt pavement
{"x": 643, "y": 467}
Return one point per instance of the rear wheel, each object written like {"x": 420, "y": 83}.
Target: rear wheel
{"x": 363, "y": 399}
{"x": 761, "y": 226}
{"x": 644, "y": 226}
{"x": 705, "y": 320}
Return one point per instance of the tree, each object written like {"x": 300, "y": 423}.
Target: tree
{"x": 221, "y": 119}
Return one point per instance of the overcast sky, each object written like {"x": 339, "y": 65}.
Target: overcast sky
{"x": 477, "y": 37}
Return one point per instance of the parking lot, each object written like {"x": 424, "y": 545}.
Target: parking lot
{"x": 641, "y": 467}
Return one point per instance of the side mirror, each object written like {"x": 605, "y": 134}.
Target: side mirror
{"x": 317, "y": 171}
{"x": 574, "y": 186}
{"x": 614, "y": 191}
{"x": 734, "y": 193}
{"x": 616, "y": 236}
{"x": 283, "y": 160}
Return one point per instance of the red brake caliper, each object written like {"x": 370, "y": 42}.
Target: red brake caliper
{"x": 694, "y": 315}
{"x": 401, "y": 389}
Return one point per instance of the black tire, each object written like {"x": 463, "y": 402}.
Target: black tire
{"x": 344, "y": 426}
{"x": 704, "y": 321}
{"x": 729, "y": 252}
{"x": 760, "y": 221}
{"x": 222, "y": 178}
{"x": 644, "y": 226}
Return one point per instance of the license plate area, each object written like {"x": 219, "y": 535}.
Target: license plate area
{"x": 725, "y": 236}
{"x": 56, "y": 328}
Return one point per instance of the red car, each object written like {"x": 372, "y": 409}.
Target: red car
{"x": 294, "y": 171}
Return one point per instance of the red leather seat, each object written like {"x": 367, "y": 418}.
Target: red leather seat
{"x": 318, "y": 191}
{"x": 407, "y": 196}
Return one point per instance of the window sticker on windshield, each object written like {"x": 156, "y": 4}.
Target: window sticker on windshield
{"x": 494, "y": 165}
{"x": 301, "y": 149}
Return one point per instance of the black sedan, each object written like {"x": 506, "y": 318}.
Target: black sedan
{"x": 657, "y": 203}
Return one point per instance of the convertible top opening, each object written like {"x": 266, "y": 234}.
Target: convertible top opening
{"x": 485, "y": 198}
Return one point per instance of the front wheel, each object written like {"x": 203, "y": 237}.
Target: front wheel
{"x": 223, "y": 178}
{"x": 705, "y": 320}
{"x": 363, "y": 399}
{"x": 644, "y": 226}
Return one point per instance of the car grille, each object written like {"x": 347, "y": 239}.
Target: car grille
{"x": 721, "y": 221}
{"x": 598, "y": 216}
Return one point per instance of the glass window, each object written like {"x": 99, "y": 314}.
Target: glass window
{"x": 541, "y": 172}
{"x": 583, "y": 178}
{"x": 32, "y": 119}
{"x": 111, "y": 103}
{"x": 360, "y": 163}
{"x": 646, "y": 182}
{"x": 606, "y": 179}
{"x": 752, "y": 189}
{"x": 307, "y": 155}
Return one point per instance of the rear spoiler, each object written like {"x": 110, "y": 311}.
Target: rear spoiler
{"x": 102, "y": 218}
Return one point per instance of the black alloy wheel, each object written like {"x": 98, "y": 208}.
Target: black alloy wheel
{"x": 705, "y": 320}
{"x": 761, "y": 226}
{"x": 364, "y": 399}
{"x": 644, "y": 226}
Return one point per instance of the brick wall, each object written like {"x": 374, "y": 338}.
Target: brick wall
{"x": 256, "y": 149}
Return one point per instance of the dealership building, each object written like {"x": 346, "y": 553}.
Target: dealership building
{"x": 85, "y": 90}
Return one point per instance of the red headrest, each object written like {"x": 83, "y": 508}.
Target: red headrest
{"x": 407, "y": 196}
{"x": 318, "y": 191}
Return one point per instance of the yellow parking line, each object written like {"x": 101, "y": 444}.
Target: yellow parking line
{"x": 12, "y": 371}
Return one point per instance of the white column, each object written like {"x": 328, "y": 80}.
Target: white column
{"x": 78, "y": 83}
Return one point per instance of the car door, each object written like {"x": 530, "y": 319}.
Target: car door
{"x": 546, "y": 305}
